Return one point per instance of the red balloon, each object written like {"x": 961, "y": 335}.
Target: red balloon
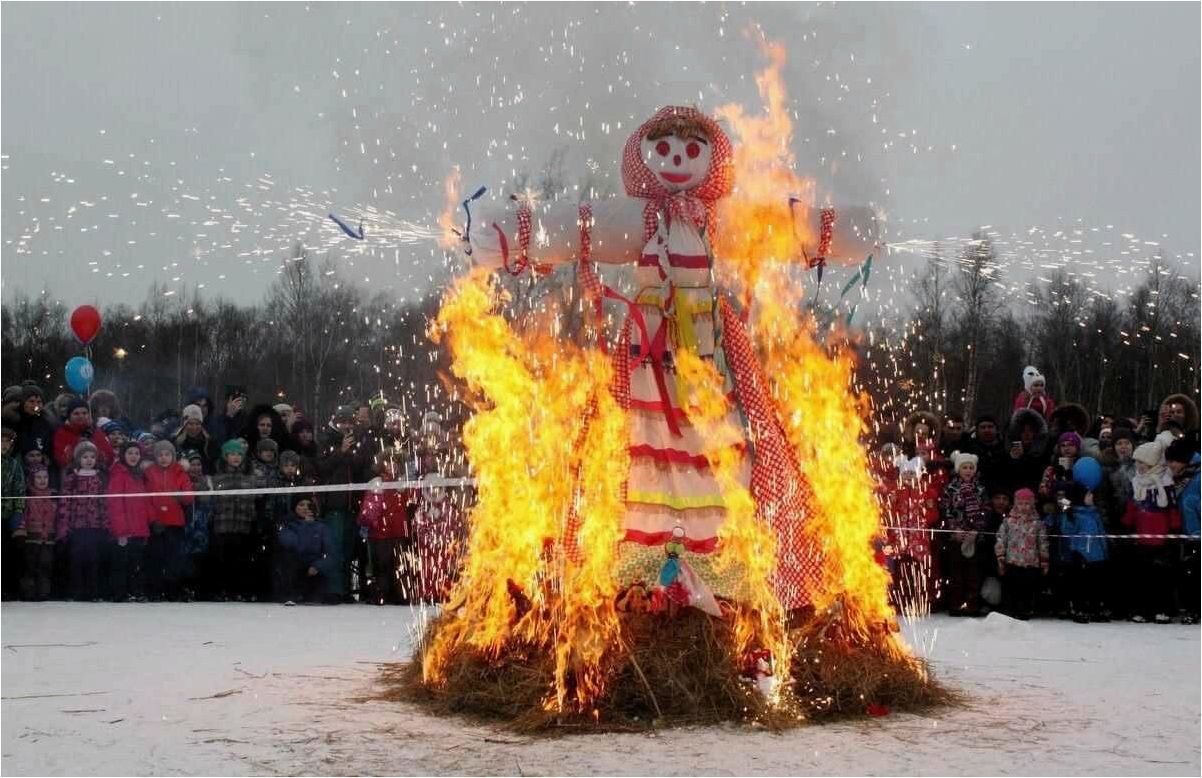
{"x": 85, "y": 323}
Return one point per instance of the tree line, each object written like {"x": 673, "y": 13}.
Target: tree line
{"x": 318, "y": 341}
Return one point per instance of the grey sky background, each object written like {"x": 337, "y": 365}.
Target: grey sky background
{"x": 191, "y": 144}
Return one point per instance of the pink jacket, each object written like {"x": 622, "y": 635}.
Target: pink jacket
{"x": 1042, "y": 404}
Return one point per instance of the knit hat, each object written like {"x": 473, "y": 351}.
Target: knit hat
{"x": 13, "y": 393}
{"x": 1070, "y": 437}
{"x": 31, "y": 390}
{"x": 33, "y": 470}
{"x": 147, "y": 438}
{"x": 282, "y": 409}
{"x": 103, "y": 422}
{"x": 192, "y": 412}
{"x": 1150, "y": 454}
{"x": 164, "y": 445}
{"x": 233, "y": 446}
{"x": 290, "y": 457}
{"x": 960, "y": 458}
{"x": 1031, "y": 374}
{"x": 83, "y": 447}
{"x": 1166, "y": 437}
{"x": 113, "y": 425}
{"x": 74, "y": 403}
{"x": 267, "y": 444}
{"x": 1024, "y": 494}
{"x": 345, "y": 413}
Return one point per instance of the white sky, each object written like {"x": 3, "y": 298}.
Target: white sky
{"x": 1057, "y": 112}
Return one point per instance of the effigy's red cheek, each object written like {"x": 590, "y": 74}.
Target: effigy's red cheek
{"x": 662, "y": 148}
{"x": 693, "y": 150}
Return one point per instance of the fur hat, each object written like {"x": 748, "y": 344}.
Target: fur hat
{"x": 13, "y": 394}
{"x": 290, "y": 457}
{"x": 282, "y": 408}
{"x": 267, "y": 444}
{"x": 1031, "y": 374}
{"x": 192, "y": 412}
{"x": 31, "y": 390}
{"x": 962, "y": 458}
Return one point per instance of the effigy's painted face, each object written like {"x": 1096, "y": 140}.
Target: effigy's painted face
{"x": 679, "y": 163}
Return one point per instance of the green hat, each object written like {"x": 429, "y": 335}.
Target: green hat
{"x": 233, "y": 446}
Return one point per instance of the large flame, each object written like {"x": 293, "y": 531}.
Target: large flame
{"x": 548, "y": 444}
{"x": 757, "y": 225}
{"x": 823, "y": 416}
{"x": 527, "y": 443}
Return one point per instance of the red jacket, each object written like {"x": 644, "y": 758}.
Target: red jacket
{"x": 129, "y": 517}
{"x": 1147, "y": 518}
{"x": 168, "y": 511}
{"x": 1042, "y": 404}
{"x": 384, "y": 514}
{"x": 67, "y": 437}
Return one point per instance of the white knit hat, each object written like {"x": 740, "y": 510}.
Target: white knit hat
{"x": 192, "y": 412}
{"x": 1030, "y": 375}
{"x": 1151, "y": 454}
{"x": 960, "y": 458}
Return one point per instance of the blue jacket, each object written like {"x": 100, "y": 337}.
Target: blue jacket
{"x": 311, "y": 541}
{"x": 1188, "y": 500}
{"x": 1081, "y": 521}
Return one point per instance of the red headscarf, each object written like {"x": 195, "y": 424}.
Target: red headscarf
{"x": 695, "y": 205}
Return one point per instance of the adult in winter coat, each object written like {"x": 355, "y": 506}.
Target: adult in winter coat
{"x": 34, "y": 423}
{"x": 129, "y": 520}
{"x": 264, "y": 422}
{"x": 1181, "y": 409}
{"x": 345, "y": 459}
{"x": 306, "y": 556}
{"x": 192, "y": 436}
{"x": 993, "y": 458}
{"x": 77, "y": 429}
{"x": 1026, "y": 449}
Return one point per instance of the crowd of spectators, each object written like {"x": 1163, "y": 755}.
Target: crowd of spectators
{"x": 1007, "y": 515}
{"x": 242, "y": 502}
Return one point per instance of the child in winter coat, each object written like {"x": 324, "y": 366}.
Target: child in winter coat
{"x": 384, "y": 512}
{"x": 1152, "y": 511}
{"x": 964, "y": 506}
{"x": 82, "y": 522}
{"x": 196, "y": 530}
{"x": 234, "y": 530}
{"x": 38, "y": 525}
{"x": 1022, "y": 553}
{"x": 1035, "y": 394}
{"x": 167, "y": 523}
{"x": 129, "y": 523}
{"x": 266, "y": 472}
{"x": 306, "y": 556}
{"x": 1084, "y": 554}
{"x": 11, "y": 505}
{"x": 1183, "y": 461}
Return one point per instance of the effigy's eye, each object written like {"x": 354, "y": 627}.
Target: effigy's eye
{"x": 662, "y": 148}
{"x": 693, "y": 149}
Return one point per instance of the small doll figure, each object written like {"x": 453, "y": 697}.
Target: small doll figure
{"x": 678, "y": 584}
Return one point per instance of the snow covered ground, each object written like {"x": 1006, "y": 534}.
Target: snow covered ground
{"x": 263, "y": 689}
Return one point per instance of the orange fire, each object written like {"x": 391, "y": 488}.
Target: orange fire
{"x": 548, "y": 441}
{"x": 528, "y": 443}
{"x": 755, "y": 224}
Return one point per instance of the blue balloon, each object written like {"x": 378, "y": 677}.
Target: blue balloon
{"x": 79, "y": 372}
{"x": 1087, "y": 472}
